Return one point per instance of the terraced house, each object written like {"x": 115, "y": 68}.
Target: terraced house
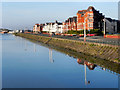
{"x": 53, "y": 27}
{"x": 70, "y": 24}
{"x": 92, "y": 18}
{"x": 112, "y": 26}
{"x": 36, "y": 28}
{"x": 89, "y": 19}
{"x": 85, "y": 19}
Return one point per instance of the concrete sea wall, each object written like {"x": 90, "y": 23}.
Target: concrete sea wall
{"x": 102, "y": 51}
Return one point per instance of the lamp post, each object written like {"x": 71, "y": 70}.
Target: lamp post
{"x": 85, "y": 28}
{"x": 84, "y": 31}
{"x": 104, "y": 27}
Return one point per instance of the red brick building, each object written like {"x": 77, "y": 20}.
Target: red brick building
{"x": 65, "y": 26}
{"x": 70, "y": 20}
{"x": 91, "y": 17}
{"x": 74, "y": 23}
{"x": 38, "y": 27}
{"x": 70, "y": 24}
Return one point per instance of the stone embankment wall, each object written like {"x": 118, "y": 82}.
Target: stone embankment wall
{"x": 102, "y": 51}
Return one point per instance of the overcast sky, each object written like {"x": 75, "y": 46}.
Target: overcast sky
{"x": 23, "y": 15}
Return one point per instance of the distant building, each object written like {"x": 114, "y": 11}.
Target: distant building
{"x": 53, "y": 27}
{"x": 21, "y": 31}
{"x": 86, "y": 19}
{"x": 11, "y": 31}
{"x": 91, "y": 17}
{"x": 65, "y": 26}
{"x": 41, "y": 27}
{"x": 27, "y": 31}
{"x": 36, "y": 28}
{"x": 112, "y": 26}
{"x": 17, "y": 31}
{"x": 74, "y": 23}
{"x": 70, "y": 20}
{"x": 70, "y": 24}
{"x": 4, "y": 32}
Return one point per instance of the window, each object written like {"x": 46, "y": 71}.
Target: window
{"x": 90, "y": 20}
{"x": 90, "y": 25}
{"x": 90, "y": 14}
{"x": 90, "y": 10}
{"x": 82, "y": 15}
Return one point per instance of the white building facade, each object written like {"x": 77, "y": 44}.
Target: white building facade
{"x": 36, "y": 28}
{"x": 53, "y": 27}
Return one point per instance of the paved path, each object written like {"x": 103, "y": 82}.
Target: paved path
{"x": 100, "y": 39}
{"x": 95, "y": 39}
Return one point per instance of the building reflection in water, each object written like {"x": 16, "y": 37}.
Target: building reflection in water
{"x": 89, "y": 65}
{"x": 50, "y": 56}
{"x": 34, "y": 48}
{"x": 25, "y": 46}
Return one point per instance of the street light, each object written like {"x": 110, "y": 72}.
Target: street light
{"x": 85, "y": 29}
{"x": 104, "y": 27}
{"x": 84, "y": 32}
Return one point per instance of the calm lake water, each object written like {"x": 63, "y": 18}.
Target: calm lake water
{"x": 30, "y": 65}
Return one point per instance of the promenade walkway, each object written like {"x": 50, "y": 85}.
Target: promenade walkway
{"x": 95, "y": 39}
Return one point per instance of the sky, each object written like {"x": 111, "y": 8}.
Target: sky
{"x": 23, "y": 15}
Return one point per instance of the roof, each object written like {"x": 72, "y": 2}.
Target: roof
{"x": 59, "y": 23}
{"x": 70, "y": 19}
{"x": 37, "y": 24}
{"x": 91, "y": 7}
{"x": 75, "y": 19}
{"x": 66, "y": 21}
{"x": 84, "y": 11}
{"x": 110, "y": 19}
{"x": 51, "y": 23}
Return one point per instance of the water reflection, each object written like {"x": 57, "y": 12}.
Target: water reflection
{"x": 88, "y": 64}
{"x": 86, "y": 82}
{"x": 50, "y": 56}
{"x": 66, "y": 72}
{"x": 34, "y": 48}
{"x": 25, "y": 46}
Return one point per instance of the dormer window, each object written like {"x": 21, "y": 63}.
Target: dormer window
{"x": 82, "y": 15}
{"x": 90, "y": 9}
